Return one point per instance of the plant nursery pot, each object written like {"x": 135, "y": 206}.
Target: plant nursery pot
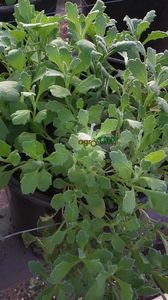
{"x": 118, "y": 9}
{"x": 49, "y": 6}
{"x": 26, "y": 209}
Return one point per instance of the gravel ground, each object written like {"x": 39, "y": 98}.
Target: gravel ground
{"x": 22, "y": 291}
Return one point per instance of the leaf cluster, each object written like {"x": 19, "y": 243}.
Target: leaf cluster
{"x": 55, "y": 92}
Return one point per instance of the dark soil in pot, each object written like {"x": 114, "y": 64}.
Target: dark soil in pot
{"x": 26, "y": 209}
{"x": 49, "y": 6}
{"x": 117, "y": 9}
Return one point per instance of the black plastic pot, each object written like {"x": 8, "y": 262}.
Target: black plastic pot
{"x": 49, "y": 6}
{"x": 117, "y": 9}
{"x": 26, "y": 209}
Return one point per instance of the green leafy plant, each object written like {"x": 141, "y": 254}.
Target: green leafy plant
{"x": 55, "y": 93}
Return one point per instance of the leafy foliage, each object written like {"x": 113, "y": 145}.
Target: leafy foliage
{"x": 54, "y": 93}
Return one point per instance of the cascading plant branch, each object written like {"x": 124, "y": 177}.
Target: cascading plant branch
{"x": 53, "y": 93}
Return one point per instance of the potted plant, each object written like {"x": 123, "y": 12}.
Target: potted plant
{"x": 20, "y": 49}
{"x": 118, "y": 9}
{"x": 7, "y": 8}
{"x": 93, "y": 139}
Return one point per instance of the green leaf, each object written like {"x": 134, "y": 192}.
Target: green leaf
{"x": 59, "y": 91}
{"x": 126, "y": 291}
{"x": 14, "y": 158}
{"x": 69, "y": 196}
{"x": 3, "y": 130}
{"x": 59, "y": 183}
{"x": 21, "y": 117}
{"x": 94, "y": 266}
{"x": 155, "y": 35}
{"x": 104, "y": 182}
{"x": 151, "y": 58}
{"x": 44, "y": 180}
{"x": 100, "y": 24}
{"x": 132, "y": 224}
{"x": 165, "y": 242}
{"x": 48, "y": 80}
{"x": 129, "y": 202}
{"x": 89, "y": 20}
{"x": 131, "y": 47}
{"x": 163, "y": 103}
{"x": 150, "y": 16}
{"x": 72, "y": 15}
{"x": 162, "y": 281}
{"x": 16, "y": 59}
{"x": 153, "y": 183}
{"x": 33, "y": 149}
{"x": 9, "y": 91}
{"x": 40, "y": 116}
{"x": 138, "y": 70}
{"x": 149, "y": 124}
{"x": 25, "y": 137}
{"x": 97, "y": 290}
{"x": 29, "y": 182}
{"x": 71, "y": 213}
{"x": 37, "y": 268}
{"x": 24, "y": 12}
{"x": 121, "y": 164}
{"x": 99, "y": 5}
{"x": 52, "y": 241}
{"x": 5, "y": 149}
{"x": 142, "y": 262}
{"x": 141, "y": 27}
{"x": 83, "y": 116}
{"x": 87, "y": 84}
{"x": 60, "y": 109}
{"x": 86, "y": 46}
{"x": 107, "y": 127}
{"x": 114, "y": 85}
{"x": 95, "y": 112}
{"x": 96, "y": 205}
{"x": 158, "y": 201}
{"x": 82, "y": 239}
{"x": 58, "y": 201}
{"x": 60, "y": 271}
{"x": 117, "y": 243}
{"x": 148, "y": 291}
{"x": 5, "y": 177}
{"x": 111, "y": 35}
{"x": 155, "y": 157}
{"x": 59, "y": 157}
{"x": 134, "y": 124}
{"x": 28, "y": 239}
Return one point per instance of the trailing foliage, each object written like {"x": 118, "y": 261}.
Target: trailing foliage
{"x": 54, "y": 93}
